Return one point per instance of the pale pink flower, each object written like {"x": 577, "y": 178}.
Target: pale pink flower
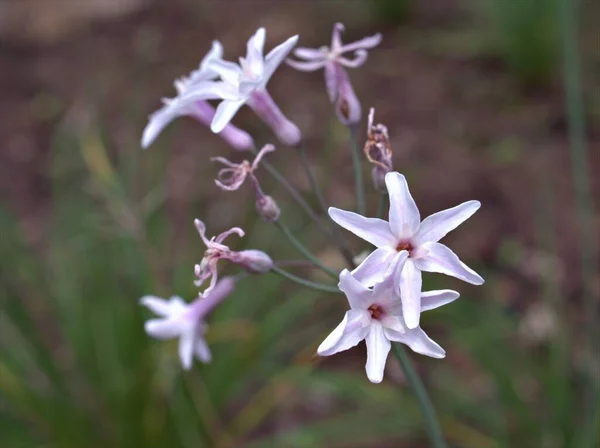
{"x": 186, "y": 321}
{"x": 375, "y": 315}
{"x": 337, "y": 82}
{"x": 404, "y": 235}
{"x": 232, "y": 177}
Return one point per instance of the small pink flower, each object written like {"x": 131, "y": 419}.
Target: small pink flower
{"x": 232, "y": 177}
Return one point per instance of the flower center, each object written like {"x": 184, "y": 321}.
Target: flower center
{"x": 404, "y": 245}
{"x": 376, "y": 312}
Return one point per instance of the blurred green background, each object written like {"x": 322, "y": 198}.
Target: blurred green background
{"x": 495, "y": 100}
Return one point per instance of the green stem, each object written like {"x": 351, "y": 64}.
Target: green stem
{"x": 311, "y": 178}
{"x": 304, "y": 250}
{"x": 301, "y": 281}
{"x": 358, "y": 178}
{"x": 381, "y": 205}
{"x": 429, "y": 415}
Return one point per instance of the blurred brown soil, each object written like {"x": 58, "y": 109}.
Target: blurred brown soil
{"x": 461, "y": 128}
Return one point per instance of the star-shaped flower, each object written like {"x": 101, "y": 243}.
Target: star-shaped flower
{"x": 375, "y": 315}
{"x": 192, "y": 93}
{"x": 246, "y": 82}
{"x": 405, "y": 235}
{"x": 186, "y": 321}
{"x": 337, "y": 82}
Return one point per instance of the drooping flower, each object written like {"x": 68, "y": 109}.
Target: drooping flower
{"x": 378, "y": 151}
{"x": 186, "y": 321}
{"x": 405, "y": 235}
{"x": 232, "y": 177}
{"x": 246, "y": 84}
{"x": 337, "y": 82}
{"x": 375, "y": 315}
{"x": 253, "y": 261}
{"x": 192, "y": 93}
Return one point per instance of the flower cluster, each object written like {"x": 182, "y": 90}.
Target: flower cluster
{"x": 385, "y": 290}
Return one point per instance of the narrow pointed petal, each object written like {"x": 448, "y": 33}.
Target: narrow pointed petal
{"x": 254, "y": 52}
{"x": 418, "y": 341}
{"x": 378, "y": 348}
{"x": 410, "y": 292}
{"x": 373, "y": 268}
{"x": 395, "y": 323}
{"x": 359, "y": 296}
{"x": 441, "y": 259}
{"x": 360, "y": 58}
{"x": 208, "y": 90}
{"x": 186, "y": 348}
{"x": 431, "y": 300}
{"x": 276, "y": 56}
{"x": 364, "y": 43}
{"x": 436, "y": 226}
{"x": 225, "y": 113}
{"x": 163, "y": 328}
{"x": 389, "y": 286}
{"x": 375, "y": 231}
{"x": 404, "y": 214}
{"x": 162, "y": 307}
{"x": 158, "y": 121}
{"x": 353, "y": 329}
{"x": 229, "y": 71}
{"x": 331, "y": 79}
{"x": 308, "y": 66}
{"x": 202, "y": 351}
{"x": 310, "y": 54}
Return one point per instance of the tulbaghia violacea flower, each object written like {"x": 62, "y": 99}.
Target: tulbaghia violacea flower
{"x": 186, "y": 321}
{"x": 378, "y": 151}
{"x": 405, "y": 235}
{"x": 253, "y": 261}
{"x": 337, "y": 82}
{"x": 232, "y": 177}
{"x": 375, "y": 315}
{"x": 192, "y": 93}
{"x": 246, "y": 84}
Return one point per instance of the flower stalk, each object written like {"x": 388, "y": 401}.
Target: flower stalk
{"x": 358, "y": 177}
{"x": 307, "y": 283}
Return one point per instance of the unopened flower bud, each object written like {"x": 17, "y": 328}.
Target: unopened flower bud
{"x": 267, "y": 208}
{"x": 347, "y": 106}
{"x": 254, "y": 261}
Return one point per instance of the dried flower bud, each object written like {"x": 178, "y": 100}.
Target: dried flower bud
{"x": 253, "y": 261}
{"x": 267, "y": 208}
{"x": 378, "y": 151}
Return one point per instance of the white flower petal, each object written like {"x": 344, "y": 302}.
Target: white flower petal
{"x": 163, "y": 328}
{"x": 331, "y": 79}
{"x": 378, "y": 348}
{"x": 387, "y": 290}
{"x": 202, "y": 351}
{"x": 358, "y": 295}
{"x": 230, "y": 72}
{"x": 225, "y": 113}
{"x": 404, "y": 214}
{"x": 431, "y": 300}
{"x": 360, "y": 58}
{"x": 364, "y": 43}
{"x": 410, "y": 292}
{"x": 310, "y": 54}
{"x": 186, "y": 348}
{"x": 395, "y": 323}
{"x": 436, "y": 226}
{"x": 158, "y": 121}
{"x": 353, "y": 329}
{"x": 373, "y": 268}
{"x": 418, "y": 341}
{"x": 308, "y": 66}
{"x": 254, "y": 52}
{"x": 441, "y": 259}
{"x": 209, "y": 90}
{"x": 157, "y": 305}
{"x": 375, "y": 231}
{"x": 276, "y": 56}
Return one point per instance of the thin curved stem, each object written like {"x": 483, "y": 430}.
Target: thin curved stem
{"x": 358, "y": 178}
{"x": 305, "y": 251}
{"x": 429, "y": 415}
{"x": 301, "y": 281}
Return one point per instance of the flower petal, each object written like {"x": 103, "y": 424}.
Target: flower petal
{"x": 358, "y": 295}
{"x": 163, "y": 328}
{"x": 373, "y": 268}
{"x": 441, "y": 259}
{"x": 436, "y": 226}
{"x": 310, "y": 54}
{"x": 276, "y": 56}
{"x": 359, "y": 59}
{"x": 353, "y": 329}
{"x": 229, "y": 71}
{"x": 225, "y": 113}
{"x": 186, "y": 348}
{"x": 201, "y": 350}
{"x": 378, "y": 347}
{"x": 387, "y": 290}
{"x": 395, "y": 323}
{"x": 331, "y": 79}
{"x": 375, "y": 231}
{"x": 209, "y": 90}
{"x": 431, "y": 300}
{"x": 308, "y": 66}
{"x": 254, "y": 52}
{"x": 410, "y": 292}
{"x": 364, "y": 43}
{"x": 159, "y": 120}
{"x": 418, "y": 341}
{"x": 162, "y": 307}
{"x": 404, "y": 214}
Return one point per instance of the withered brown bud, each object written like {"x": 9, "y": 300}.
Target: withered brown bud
{"x": 378, "y": 151}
